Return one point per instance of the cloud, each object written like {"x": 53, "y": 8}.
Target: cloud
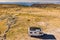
{"x": 29, "y": 0}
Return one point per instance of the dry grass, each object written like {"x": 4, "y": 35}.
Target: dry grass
{"x": 29, "y": 16}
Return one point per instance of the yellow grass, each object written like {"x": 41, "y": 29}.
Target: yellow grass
{"x": 29, "y": 16}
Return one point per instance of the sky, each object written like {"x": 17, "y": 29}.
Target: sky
{"x": 29, "y": 0}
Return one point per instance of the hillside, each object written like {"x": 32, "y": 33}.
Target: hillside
{"x": 46, "y": 5}
{"x": 21, "y": 18}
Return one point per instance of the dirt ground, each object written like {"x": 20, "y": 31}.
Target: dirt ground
{"x": 21, "y": 18}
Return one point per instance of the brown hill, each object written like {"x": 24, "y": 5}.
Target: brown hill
{"x": 46, "y": 5}
{"x": 9, "y": 5}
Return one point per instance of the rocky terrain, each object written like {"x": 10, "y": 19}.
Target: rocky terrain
{"x": 15, "y": 21}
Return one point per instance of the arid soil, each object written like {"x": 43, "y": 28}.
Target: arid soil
{"x": 17, "y": 19}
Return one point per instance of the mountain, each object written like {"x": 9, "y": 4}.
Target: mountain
{"x": 45, "y": 5}
{"x": 29, "y": 3}
{"x": 20, "y": 3}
